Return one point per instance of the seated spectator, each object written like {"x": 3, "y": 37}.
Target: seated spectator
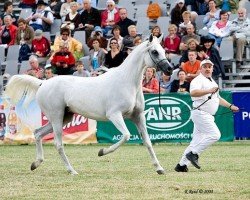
{"x": 27, "y": 4}
{"x": 8, "y": 32}
{"x": 25, "y": 33}
{"x": 96, "y": 55}
{"x": 74, "y": 46}
{"x": 193, "y": 45}
{"x": 8, "y": 10}
{"x": 80, "y": 71}
{"x": 186, "y": 15}
{"x": 190, "y": 34}
{"x": 72, "y": 19}
{"x": 150, "y": 83}
{"x": 90, "y": 18}
{"x": 116, "y": 32}
{"x": 35, "y": 70}
{"x": 97, "y": 34}
{"x": 124, "y": 22}
{"x": 114, "y": 57}
{"x": 208, "y": 51}
{"x": 40, "y": 45}
{"x": 109, "y": 17}
{"x": 202, "y": 7}
{"x": 156, "y": 31}
{"x": 212, "y": 15}
{"x": 65, "y": 9}
{"x": 55, "y": 6}
{"x": 165, "y": 83}
{"x": 240, "y": 29}
{"x": 48, "y": 72}
{"x": 128, "y": 39}
{"x": 192, "y": 66}
{"x": 42, "y": 18}
{"x": 176, "y": 12}
{"x": 221, "y": 28}
{"x": 172, "y": 42}
{"x": 228, "y": 5}
{"x": 63, "y": 61}
{"x": 180, "y": 85}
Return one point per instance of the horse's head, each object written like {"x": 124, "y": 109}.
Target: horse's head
{"x": 156, "y": 56}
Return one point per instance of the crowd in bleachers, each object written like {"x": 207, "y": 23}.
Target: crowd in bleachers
{"x": 80, "y": 37}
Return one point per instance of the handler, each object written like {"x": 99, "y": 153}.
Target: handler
{"x": 206, "y": 100}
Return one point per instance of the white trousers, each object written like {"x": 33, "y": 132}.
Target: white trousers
{"x": 205, "y": 133}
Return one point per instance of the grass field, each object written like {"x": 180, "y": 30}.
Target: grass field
{"x": 125, "y": 174}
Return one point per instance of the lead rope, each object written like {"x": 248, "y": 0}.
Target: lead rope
{"x": 187, "y": 111}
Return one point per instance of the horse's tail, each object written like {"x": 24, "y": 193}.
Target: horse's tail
{"x": 22, "y": 87}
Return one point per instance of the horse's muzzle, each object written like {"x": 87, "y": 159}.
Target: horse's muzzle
{"x": 165, "y": 66}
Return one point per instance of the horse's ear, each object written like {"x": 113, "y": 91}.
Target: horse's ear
{"x": 150, "y": 38}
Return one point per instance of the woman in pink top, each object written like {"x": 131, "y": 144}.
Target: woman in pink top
{"x": 221, "y": 28}
{"x": 172, "y": 42}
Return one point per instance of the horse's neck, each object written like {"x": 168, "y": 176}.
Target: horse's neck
{"x": 134, "y": 66}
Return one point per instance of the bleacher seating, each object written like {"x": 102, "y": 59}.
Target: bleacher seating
{"x": 137, "y": 11}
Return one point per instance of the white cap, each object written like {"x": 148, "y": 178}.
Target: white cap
{"x": 47, "y": 66}
{"x": 110, "y": 2}
{"x": 180, "y": 1}
{"x": 206, "y": 61}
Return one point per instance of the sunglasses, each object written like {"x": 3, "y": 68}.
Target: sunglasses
{"x": 110, "y": 5}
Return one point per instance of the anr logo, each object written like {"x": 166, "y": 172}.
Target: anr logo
{"x": 173, "y": 114}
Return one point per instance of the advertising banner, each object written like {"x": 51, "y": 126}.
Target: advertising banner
{"x": 17, "y": 125}
{"x": 169, "y": 122}
{"x": 242, "y": 118}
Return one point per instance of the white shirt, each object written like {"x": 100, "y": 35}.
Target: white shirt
{"x": 202, "y": 83}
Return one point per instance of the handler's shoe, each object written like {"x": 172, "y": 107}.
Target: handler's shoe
{"x": 180, "y": 168}
{"x": 193, "y": 158}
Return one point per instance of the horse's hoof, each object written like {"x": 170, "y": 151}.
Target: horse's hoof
{"x": 101, "y": 152}
{"x": 73, "y": 173}
{"x": 160, "y": 171}
{"x": 33, "y": 166}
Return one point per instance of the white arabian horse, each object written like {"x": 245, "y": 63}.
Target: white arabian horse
{"x": 112, "y": 96}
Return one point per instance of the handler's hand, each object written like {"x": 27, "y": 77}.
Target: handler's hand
{"x": 234, "y": 108}
{"x": 213, "y": 90}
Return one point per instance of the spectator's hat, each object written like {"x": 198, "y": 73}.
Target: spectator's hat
{"x": 207, "y": 38}
{"x": 38, "y": 33}
{"x": 98, "y": 29}
{"x": 206, "y": 61}
{"x": 180, "y": 1}
{"x": 41, "y": 2}
{"x": 47, "y": 66}
{"x": 110, "y": 2}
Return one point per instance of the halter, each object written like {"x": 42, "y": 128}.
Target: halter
{"x": 157, "y": 63}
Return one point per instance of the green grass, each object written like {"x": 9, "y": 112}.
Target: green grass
{"x": 125, "y": 174}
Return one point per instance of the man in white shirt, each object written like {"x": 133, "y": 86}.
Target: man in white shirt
{"x": 206, "y": 100}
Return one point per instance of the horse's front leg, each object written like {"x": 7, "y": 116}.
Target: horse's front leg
{"x": 140, "y": 122}
{"x": 119, "y": 123}
{"x": 39, "y": 134}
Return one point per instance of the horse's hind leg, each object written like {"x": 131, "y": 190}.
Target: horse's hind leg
{"x": 39, "y": 134}
{"x": 119, "y": 123}
{"x": 57, "y": 128}
{"x": 140, "y": 123}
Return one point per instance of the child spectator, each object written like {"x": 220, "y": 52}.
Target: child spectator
{"x": 81, "y": 72}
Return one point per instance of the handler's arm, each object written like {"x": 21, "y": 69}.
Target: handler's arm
{"x": 225, "y": 103}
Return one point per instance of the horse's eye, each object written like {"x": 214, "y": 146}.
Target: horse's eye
{"x": 155, "y": 53}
